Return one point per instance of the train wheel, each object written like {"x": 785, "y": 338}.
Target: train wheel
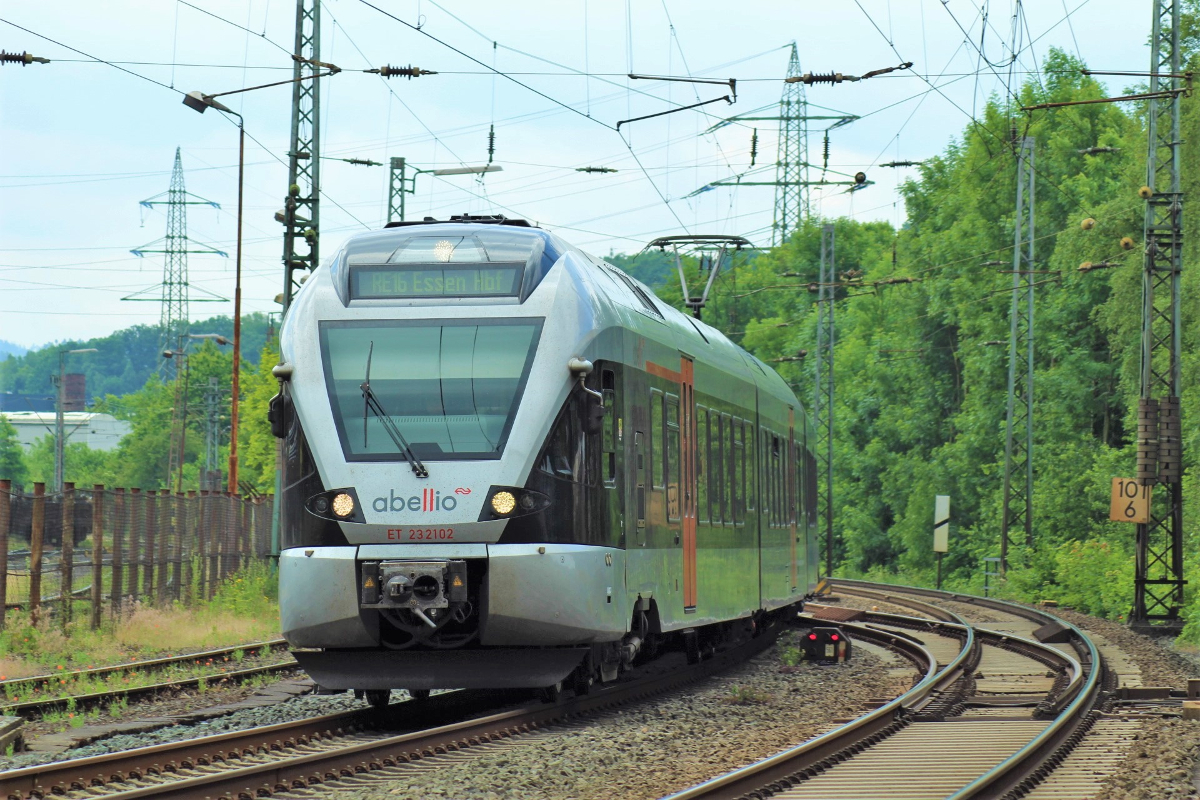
{"x": 552, "y": 694}
{"x": 691, "y": 646}
{"x": 379, "y": 698}
{"x": 582, "y": 680}
{"x": 418, "y": 694}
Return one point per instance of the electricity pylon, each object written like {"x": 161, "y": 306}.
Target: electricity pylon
{"x": 301, "y": 221}
{"x": 1158, "y": 578}
{"x": 823, "y": 399}
{"x": 1018, "y": 427}
{"x": 174, "y": 292}
{"x": 792, "y": 165}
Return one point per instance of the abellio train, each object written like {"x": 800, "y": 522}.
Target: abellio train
{"x": 508, "y": 464}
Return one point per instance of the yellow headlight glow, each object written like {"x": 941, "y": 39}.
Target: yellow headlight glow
{"x": 503, "y": 503}
{"x": 343, "y": 505}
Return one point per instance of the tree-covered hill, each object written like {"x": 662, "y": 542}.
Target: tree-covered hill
{"x": 126, "y": 358}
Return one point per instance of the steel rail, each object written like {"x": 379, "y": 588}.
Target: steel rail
{"x": 867, "y": 728}
{"x": 145, "y": 664}
{"x": 1033, "y": 762}
{"x": 92, "y": 698}
{"x": 98, "y": 773}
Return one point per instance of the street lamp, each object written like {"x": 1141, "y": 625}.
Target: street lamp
{"x": 200, "y": 102}
{"x": 58, "y": 413}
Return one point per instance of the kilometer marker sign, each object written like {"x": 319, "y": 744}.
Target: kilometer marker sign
{"x": 1130, "y": 501}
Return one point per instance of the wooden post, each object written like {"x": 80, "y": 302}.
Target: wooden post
{"x": 35, "y": 550}
{"x": 135, "y": 537}
{"x": 164, "y": 541}
{"x": 151, "y": 540}
{"x": 66, "y": 564}
{"x": 190, "y": 529}
{"x": 179, "y": 531}
{"x": 97, "y": 553}
{"x": 118, "y": 552}
{"x": 5, "y": 518}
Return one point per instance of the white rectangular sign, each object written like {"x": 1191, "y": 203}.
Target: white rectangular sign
{"x": 941, "y": 523}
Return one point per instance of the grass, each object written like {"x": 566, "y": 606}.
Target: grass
{"x": 745, "y": 696}
{"x": 243, "y": 609}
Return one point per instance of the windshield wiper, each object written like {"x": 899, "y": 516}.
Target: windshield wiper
{"x": 371, "y": 403}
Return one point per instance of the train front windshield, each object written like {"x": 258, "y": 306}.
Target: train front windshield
{"x": 451, "y": 388}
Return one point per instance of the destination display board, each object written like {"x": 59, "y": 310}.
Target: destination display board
{"x": 393, "y": 281}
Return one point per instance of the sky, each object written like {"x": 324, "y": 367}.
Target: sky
{"x": 82, "y": 142}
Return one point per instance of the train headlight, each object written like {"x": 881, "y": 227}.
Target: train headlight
{"x": 503, "y": 503}
{"x": 343, "y": 505}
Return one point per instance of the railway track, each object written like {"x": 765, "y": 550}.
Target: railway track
{"x": 277, "y": 759}
{"x": 1001, "y": 710}
{"x": 40, "y": 706}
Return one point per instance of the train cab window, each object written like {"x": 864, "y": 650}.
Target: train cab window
{"x": 612, "y": 420}
{"x": 656, "y": 444}
{"x": 749, "y": 464}
{"x": 671, "y": 457}
{"x": 703, "y": 462}
{"x": 737, "y": 468}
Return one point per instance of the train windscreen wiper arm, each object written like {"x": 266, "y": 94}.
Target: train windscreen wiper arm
{"x": 371, "y": 403}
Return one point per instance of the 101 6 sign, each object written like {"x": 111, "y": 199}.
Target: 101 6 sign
{"x": 1130, "y": 501}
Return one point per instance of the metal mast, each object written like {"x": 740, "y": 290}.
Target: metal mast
{"x": 791, "y": 169}
{"x": 301, "y": 208}
{"x": 1018, "y": 428}
{"x": 173, "y": 293}
{"x": 823, "y": 401}
{"x": 396, "y": 191}
{"x": 1158, "y": 579}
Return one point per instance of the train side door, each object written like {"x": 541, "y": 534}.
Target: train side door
{"x": 688, "y": 478}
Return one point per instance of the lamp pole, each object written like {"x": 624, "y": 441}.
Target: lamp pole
{"x": 200, "y": 102}
{"x": 59, "y": 422}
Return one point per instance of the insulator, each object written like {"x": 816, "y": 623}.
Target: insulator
{"x": 21, "y": 58}
{"x": 811, "y": 78}
{"x": 1126, "y": 243}
{"x": 491, "y": 142}
{"x": 1088, "y": 224}
{"x": 409, "y": 72}
{"x": 825, "y": 152}
{"x": 753, "y": 147}
{"x": 1145, "y": 193}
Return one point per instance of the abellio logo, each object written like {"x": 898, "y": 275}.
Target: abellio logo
{"x": 428, "y": 500}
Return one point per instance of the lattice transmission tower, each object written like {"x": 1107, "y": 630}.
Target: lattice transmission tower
{"x": 302, "y": 206}
{"x": 791, "y": 168}
{"x": 1018, "y": 443}
{"x": 1158, "y": 578}
{"x": 823, "y": 392}
{"x": 175, "y": 293}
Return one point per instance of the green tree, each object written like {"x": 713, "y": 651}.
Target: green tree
{"x": 12, "y": 461}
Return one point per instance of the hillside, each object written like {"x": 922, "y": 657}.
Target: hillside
{"x": 126, "y": 358}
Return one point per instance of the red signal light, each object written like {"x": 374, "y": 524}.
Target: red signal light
{"x": 812, "y": 636}
{"x": 834, "y": 637}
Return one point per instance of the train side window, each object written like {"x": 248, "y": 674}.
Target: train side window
{"x": 703, "y": 460}
{"x": 738, "y": 470}
{"x": 764, "y": 467}
{"x": 608, "y": 384}
{"x": 776, "y": 483}
{"x": 749, "y": 464}
{"x": 721, "y": 501}
{"x": 655, "y": 443}
{"x": 811, "y": 489}
{"x": 565, "y": 455}
{"x": 671, "y": 458}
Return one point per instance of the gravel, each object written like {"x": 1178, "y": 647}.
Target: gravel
{"x": 1160, "y": 764}
{"x": 661, "y": 746}
{"x": 292, "y": 709}
{"x": 1159, "y": 664}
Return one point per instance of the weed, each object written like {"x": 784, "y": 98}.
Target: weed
{"x": 745, "y": 696}
{"x": 12, "y": 748}
{"x": 791, "y": 656}
{"x": 238, "y": 655}
{"x": 202, "y": 686}
{"x": 117, "y": 708}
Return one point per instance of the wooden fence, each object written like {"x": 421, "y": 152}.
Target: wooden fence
{"x": 88, "y": 550}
